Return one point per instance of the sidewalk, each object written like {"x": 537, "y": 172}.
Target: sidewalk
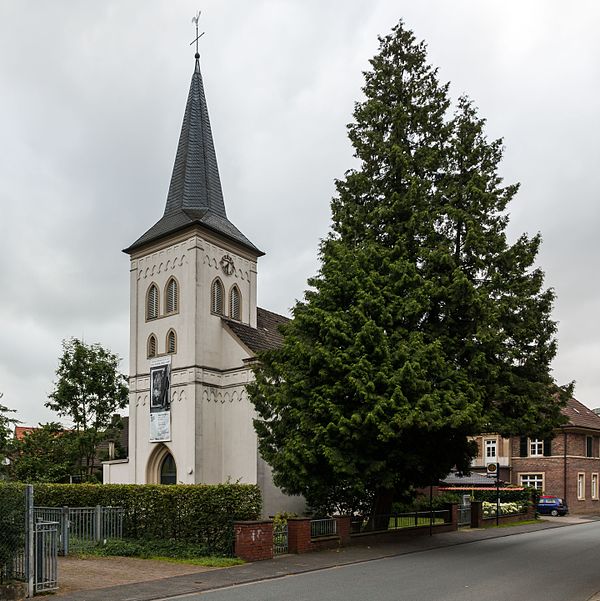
{"x": 296, "y": 564}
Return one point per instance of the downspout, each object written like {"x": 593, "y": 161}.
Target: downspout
{"x": 564, "y": 466}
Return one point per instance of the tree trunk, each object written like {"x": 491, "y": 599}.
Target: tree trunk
{"x": 381, "y": 509}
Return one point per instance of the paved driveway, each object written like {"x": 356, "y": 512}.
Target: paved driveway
{"x": 98, "y": 572}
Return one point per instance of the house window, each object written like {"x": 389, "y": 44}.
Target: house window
{"x": 216, "y": 297}
{"x": 490, "y": 449}
{"x": 589, "y": 446}
{"x": 152, "y": 302}
{"x": 151, "y": 346}
{"x": 581, "y": 486}
{"x": 171, "y": 342}
{"x": 536, "y": 447}
{"x": 532, "y": 480}
{"x": 172, "y": 296}
{"x": 594, "y": 487}
{"x": 235, "y": 305}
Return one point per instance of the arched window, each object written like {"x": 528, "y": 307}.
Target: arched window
{"x": 235, "y": 303}
{"x": 152, "y": 302}
{"x": 172, "y": 296}
{"x": 216, "y": 297}
{"x": 168, "y": 470}
{"x": 151, "y": 346}
{"x": 171, "y": 342}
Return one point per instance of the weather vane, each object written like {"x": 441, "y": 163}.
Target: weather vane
{"x": 195, "y": 20}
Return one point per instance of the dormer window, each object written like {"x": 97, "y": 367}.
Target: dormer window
{"x": 235, "y": 303}
{"x": 152, "y": 302}
{"x": 172, "y": 296}
{"x": 216, "y": 297}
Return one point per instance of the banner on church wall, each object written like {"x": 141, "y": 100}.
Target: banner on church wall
{"x": 160, "y": 399}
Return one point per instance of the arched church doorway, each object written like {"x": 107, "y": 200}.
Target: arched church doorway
{"x": 161, "y": 467}
{"x": 168, "y": 470}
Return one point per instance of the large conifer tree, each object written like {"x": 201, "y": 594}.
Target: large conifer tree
{"x": 424, "y": 325}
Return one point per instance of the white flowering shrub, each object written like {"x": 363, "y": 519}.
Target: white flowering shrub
{"x": 489, "y": 509}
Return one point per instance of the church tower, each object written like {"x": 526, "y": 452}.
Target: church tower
{"x": 194, "y": 326}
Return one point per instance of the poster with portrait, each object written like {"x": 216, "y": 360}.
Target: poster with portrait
{"x": 160, "y": 399}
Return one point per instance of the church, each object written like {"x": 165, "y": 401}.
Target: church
{"x": 195, "y": 329}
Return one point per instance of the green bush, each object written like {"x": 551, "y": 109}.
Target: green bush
{"x": 507, "y": 495}
{"x": 421, "y": 503}
{"x": 12, "y": 528}
{"x": 196, "y": 514}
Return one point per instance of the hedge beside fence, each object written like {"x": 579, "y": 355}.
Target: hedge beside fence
{"x": 12, "y": 529}
{"x": 196, "y": 513}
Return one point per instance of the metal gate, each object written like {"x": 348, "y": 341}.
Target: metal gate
{"x": 280, "y": 539}
{"x": 464, "y": 516}
{"x": 45, "y": 554}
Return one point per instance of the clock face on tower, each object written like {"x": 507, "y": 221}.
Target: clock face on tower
{"x": 227, "y": 265}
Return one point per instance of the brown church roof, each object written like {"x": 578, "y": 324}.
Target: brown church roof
{"x": 580, "y": 416}
{"x": 265, "y": 336}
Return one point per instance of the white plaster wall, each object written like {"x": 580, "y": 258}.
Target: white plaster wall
{"x": 226, "y": 440}
{"x": 212, "y": 434}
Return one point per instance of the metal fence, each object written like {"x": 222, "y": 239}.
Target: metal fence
{"x": 323, "y": 527}
{"x": 82, "y": 527}
{"x": 413, "y": 519}
{"x": 28, "y": 546}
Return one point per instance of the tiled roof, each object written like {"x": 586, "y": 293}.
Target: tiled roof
{"x": 265, "y": 336}
{"x": 195, "y": 195}
{"x": 580, "y": 416}
{"x": 20, "y": 431}
{"x": 473, "y": 479}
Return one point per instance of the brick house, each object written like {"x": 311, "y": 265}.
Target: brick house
{"x": 566, "y": 465}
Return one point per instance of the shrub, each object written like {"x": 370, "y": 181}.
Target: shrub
{"x": 12, "y": 528}
{"x": 507, "y": 495}
{"x": 489, "y": 509}
{"x": 421, "y": 502}
{"x": 197, "y": 514}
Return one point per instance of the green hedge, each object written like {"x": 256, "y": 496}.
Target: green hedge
{"x": 12, "y": 528}
{"x": 197, "y": 513}
{"x": 507, "y": 495}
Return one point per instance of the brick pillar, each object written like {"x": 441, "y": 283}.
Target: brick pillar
{"x": 476, "y": 514}
{"x": 254, "y": 540}
{"x": 344, "y": 523}
{"x": 299, "y": 535}
{"x": 453, "y": 509}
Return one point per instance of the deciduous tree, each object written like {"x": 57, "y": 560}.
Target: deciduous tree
{"x": 48, "y": 453}
{"x": 88, "y": 391}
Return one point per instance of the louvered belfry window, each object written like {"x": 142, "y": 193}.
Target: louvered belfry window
{"x": 152, "y": 302}
{"x": 152, "y": 346}
{"x": 235, "y": 305}
{"x": 172, "y": 300}
{"x": 171, "y": 342}
{"x": 216, "y": 305}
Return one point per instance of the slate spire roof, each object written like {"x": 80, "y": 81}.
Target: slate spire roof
{"x": 195, "y": 195}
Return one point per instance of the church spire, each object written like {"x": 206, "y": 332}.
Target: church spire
{"x": 195, "y": 195}
{"x": 195, "y": 183}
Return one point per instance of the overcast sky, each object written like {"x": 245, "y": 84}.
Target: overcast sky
{"x": 91, "y": 101}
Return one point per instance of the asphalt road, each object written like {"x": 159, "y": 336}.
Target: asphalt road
{"x": 562, "y": 564}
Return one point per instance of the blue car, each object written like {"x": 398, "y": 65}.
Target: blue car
{"x": 550, "y": 505}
